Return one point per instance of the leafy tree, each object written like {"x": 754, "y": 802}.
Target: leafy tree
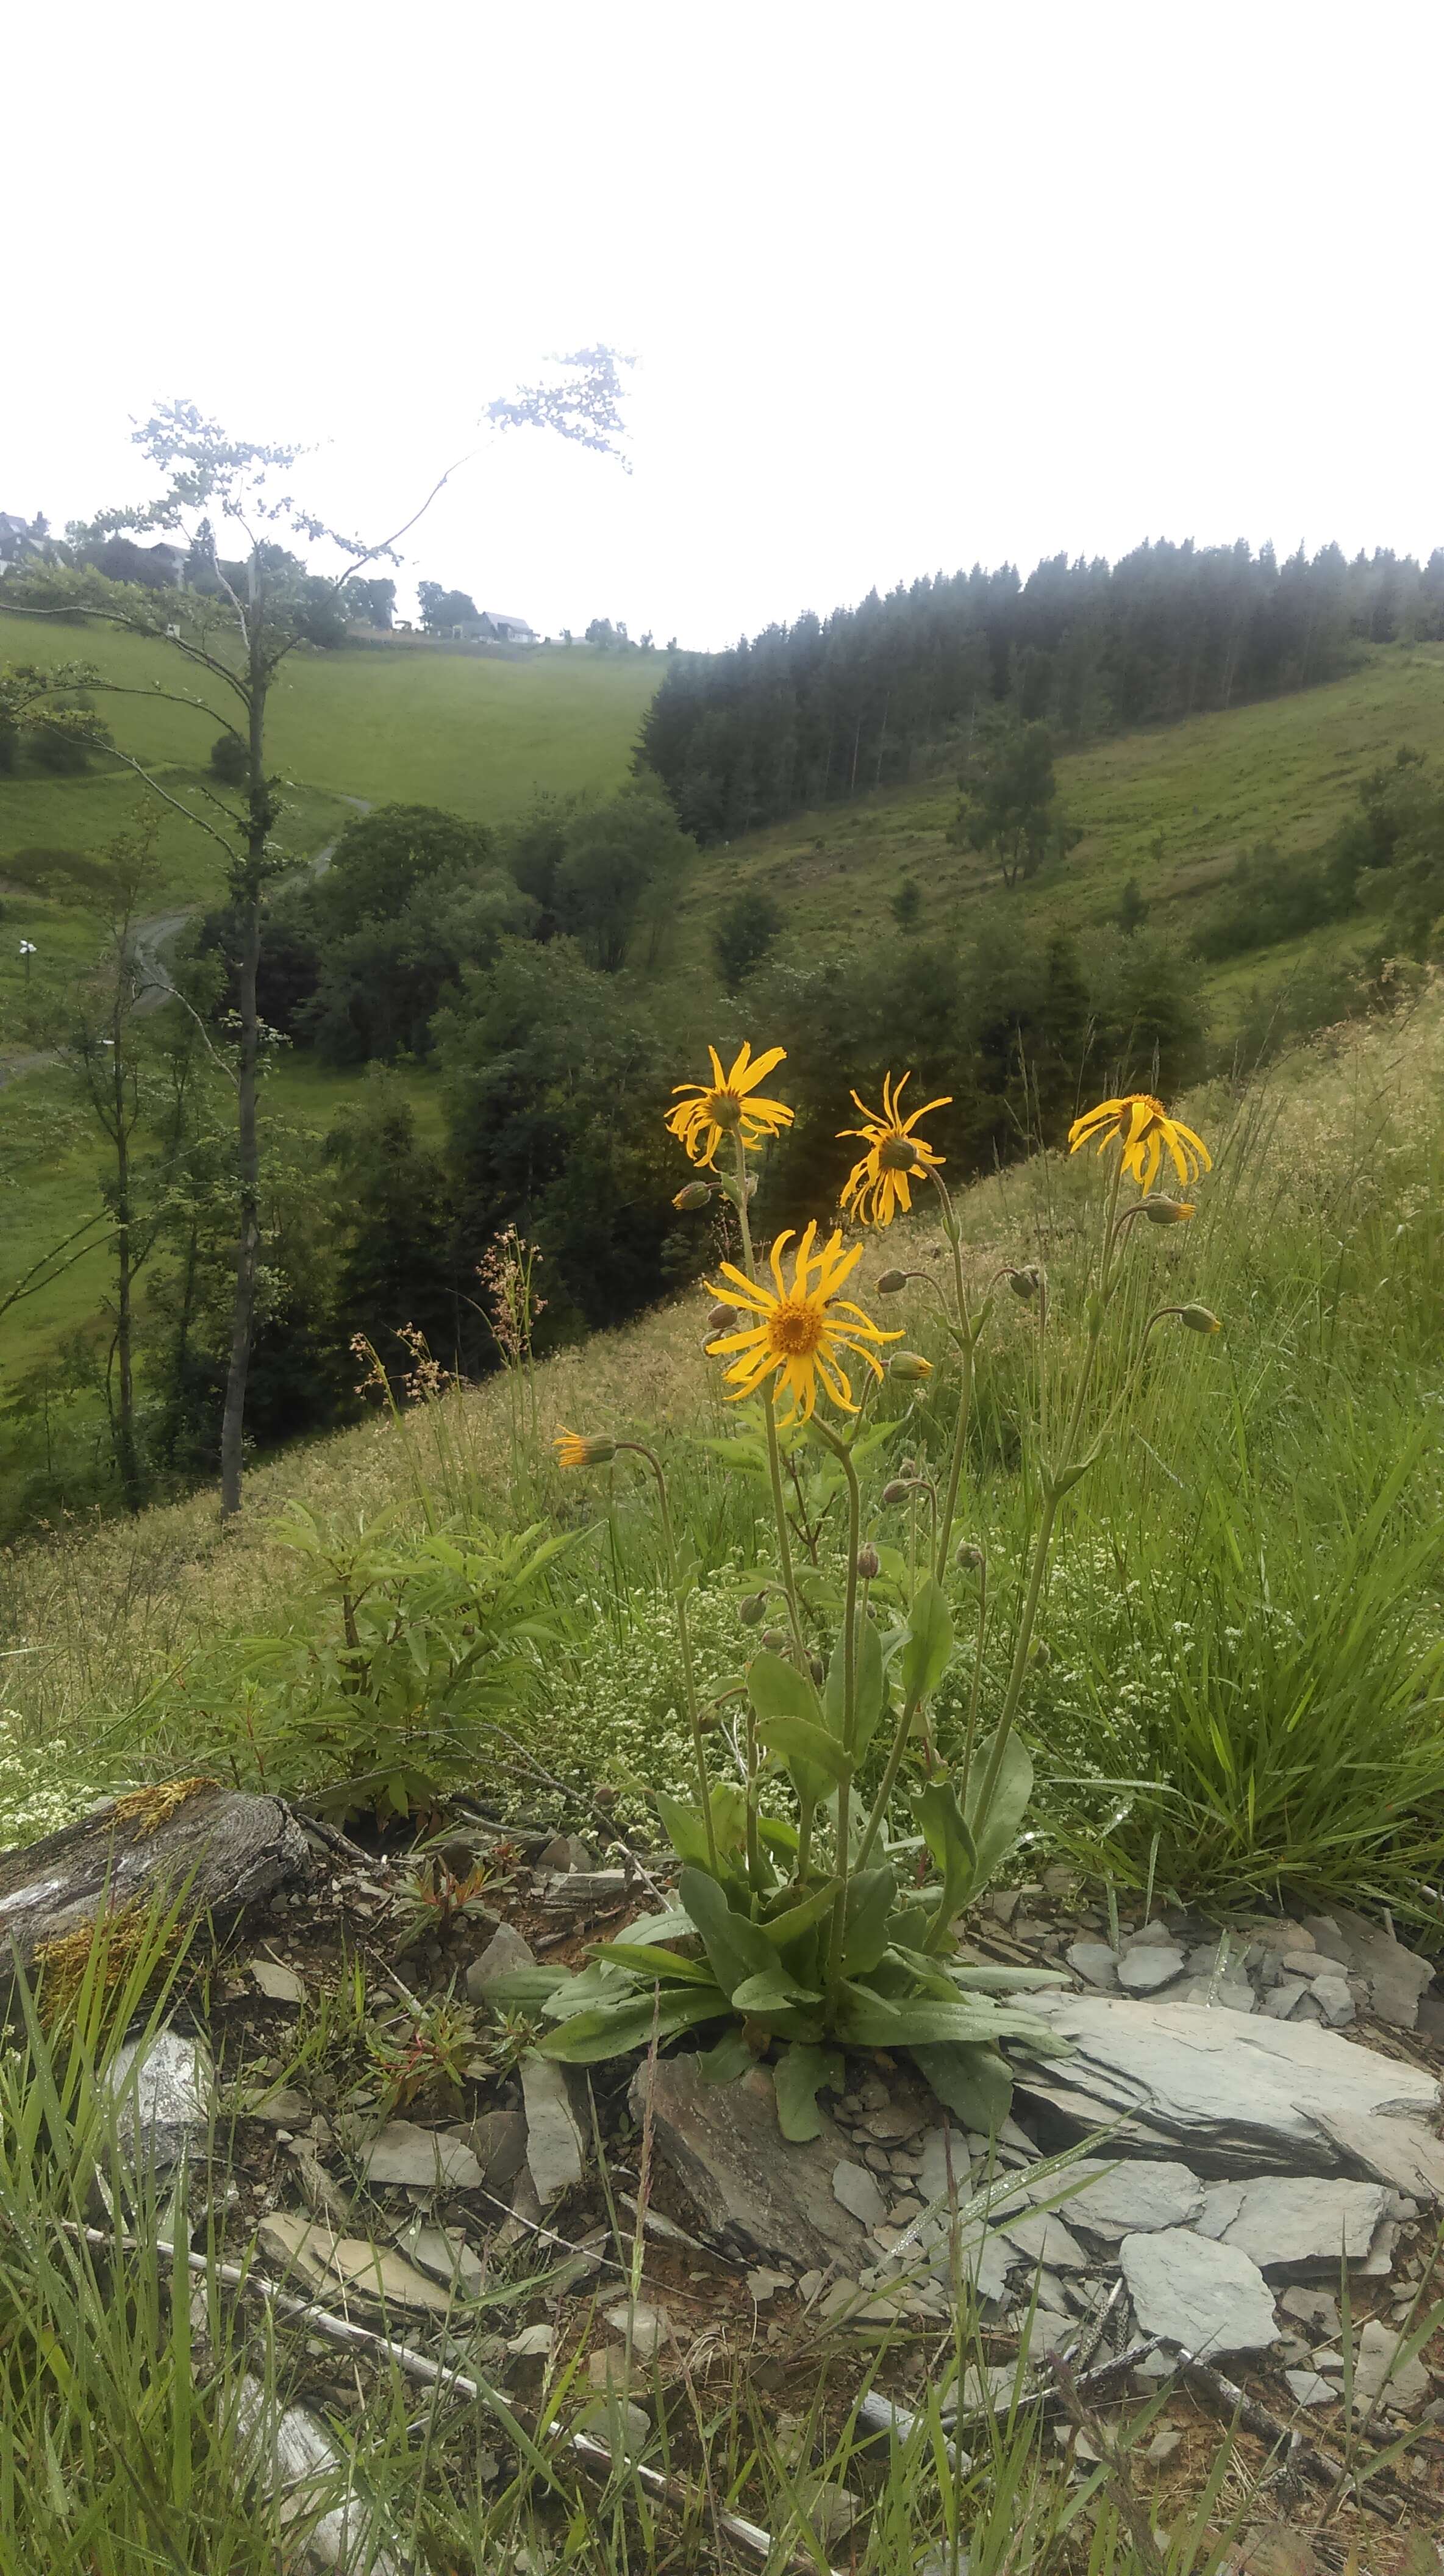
{"x": 1009, "y": 808}
{"x": 378, "y": 986}
{"x": 624, "y": 861}
{"x": 745, "y": 930}
{"x": 394, "y": 1264}
{"x": 382, "y": 858}
{"x": 230, "y": 760}
{"x": 373, "y": 603}
{"x": 906, "y": 905}
{"x": 534, "y": 850}
{"x": 238, "y": 639}
{"x": 441, "y": 609}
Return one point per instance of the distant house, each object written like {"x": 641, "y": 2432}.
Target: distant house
{"x": 18, "y": 542}
{"x": 170, "y": 560}
{"x": 493, "y": 627}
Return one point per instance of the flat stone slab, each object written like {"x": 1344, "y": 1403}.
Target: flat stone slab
{"x": 1230, "y": 2093}
{"x": 425, "y": 2159}
{"x": 553, "y": 2133}
{"x": 751, "y": 2188}
{"x": 1294, "y": 2224}
{"x": 1150, "y": 1965}
{"x": 1206, "y": 2298}
{"x": 1134, "y": 2197}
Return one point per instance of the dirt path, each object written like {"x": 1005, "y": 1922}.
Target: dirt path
{"x": 153, "y": 982}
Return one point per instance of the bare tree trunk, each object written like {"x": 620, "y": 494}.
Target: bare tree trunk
{"x": 233, "y": 1418}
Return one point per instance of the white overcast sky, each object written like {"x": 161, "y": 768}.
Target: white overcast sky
{"x": 911, "y": 284}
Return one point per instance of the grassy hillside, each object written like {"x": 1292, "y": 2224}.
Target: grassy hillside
{"x": 1172, "y": 807}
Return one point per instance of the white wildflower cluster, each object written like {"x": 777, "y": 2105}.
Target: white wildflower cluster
{"x": 622, "y": 1717}
{"x": 42, "y": 1787}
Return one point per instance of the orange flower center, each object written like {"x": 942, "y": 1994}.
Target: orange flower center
{"x": 795, "y": 1331}
{"x": 724, "y": 1108}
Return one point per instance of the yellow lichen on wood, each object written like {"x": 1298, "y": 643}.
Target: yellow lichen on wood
{"x": 150, "y": 1807}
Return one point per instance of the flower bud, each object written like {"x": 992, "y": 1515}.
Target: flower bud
{"x": 1199, "y": 1319}
{"x": 1162, "y": 1211}
{"x": 1025, "y": 1282}
{"x": 1040, "y": 1655}
{"x": 774, "y": 1640}
{"x": 752, "y": 1609}
{"x": 967, "y": 1558}
{"x": 696, "y": 1195}
{"x": 907, "y": 1466}
{"x": 897, "y": 1154}
{"x": 577, "y": 1449}
{"x": 892, "y": 1283}
{"x": 722, "y": 1319}
{"x": 815, "y": 1667}
{"x": 898, "y": 1491}
{"x": 910, "y": 1366}
{"x": 869, "y": 1563}
{"x": 603, "y": 1795}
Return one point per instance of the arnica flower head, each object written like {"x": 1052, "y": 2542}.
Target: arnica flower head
{"x": 796, "y": 1334}
{"x": 878, "y": 1186}
{"x": 575, "y": 1449}
{"x": 1143, "y": 1128}
{"x": 728, "y": 1105}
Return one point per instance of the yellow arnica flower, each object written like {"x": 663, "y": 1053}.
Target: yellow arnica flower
{"x": 728, "y": 1104}
{"x": 1143, "y": 1128}
{"x": 577, "y": 1449}
{"x": 878, "y": 1186}
{"x": 799, "y": 1331}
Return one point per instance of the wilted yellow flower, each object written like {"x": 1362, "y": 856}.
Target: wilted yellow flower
{"x": 878, "y": 1186}
{"x": 727, "y": 1104}
{"x": 1143, "y": 1128}
{"x": 575, "y": 1449}
{"x": 799, "y": 1331}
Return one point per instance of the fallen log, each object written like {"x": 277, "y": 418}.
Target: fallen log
{"x": 192, "y": 1843}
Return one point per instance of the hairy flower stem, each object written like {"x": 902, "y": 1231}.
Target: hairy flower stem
{"x": 965, "y": 1768}
{"x": 1052, "y": 1496}
{"x": 769, "y": 1420}
{"x": 944, "y": 1533}
{"x": 684, "y": 1634}
{"x": 837, "y": 1936}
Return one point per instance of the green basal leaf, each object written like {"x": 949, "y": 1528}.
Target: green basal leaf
{"x": 591, "y": 1988}
{"x": 674, "y": 1925}
{"x": 800, "y": 2075}
{"x": 525, "y": 1987}
{"x": 615, "y": 2029}
{"x": 730, "y": 2058}
{"x": 657, "y": 1965}
{"x": 951, "y": 1844}
{"x": 806, "y": 1748}
{"x": 781, "y": 1929}
{"x": 777, "y": 1689}
{"x": 929, "y": 1644}
{"x": 735, "y": 1945}
{"x": 871, "y": 1896}
{"x": 871, "y": 2021}
{"x": 972, "y": 2081}
{"x": 684, "y": 1829}
{"x": 996, "y": 1832}
{"x": 772, "y": 1992}
{"x": 728, "y": 1803}
{"x": 751, "y": 1455}
{"x": 778, "y": 1835}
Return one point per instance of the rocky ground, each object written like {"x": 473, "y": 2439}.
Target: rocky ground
{"x": 1221, "y": 2200}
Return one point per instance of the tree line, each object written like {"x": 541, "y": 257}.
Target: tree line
{"x": 804, "y": 715}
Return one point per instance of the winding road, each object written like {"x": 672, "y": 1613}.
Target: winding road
{"x": 153, "y": 981}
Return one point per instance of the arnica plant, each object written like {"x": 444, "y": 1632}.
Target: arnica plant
{"x": 824, "y": 1870}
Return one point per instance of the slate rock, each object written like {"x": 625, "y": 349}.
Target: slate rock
{"x": 1095, "y": 1963}
{"x": 1135, "y": 2196}
{"x": 1402, "y": 2153}
{"x": 293, "y": 2461}
{"x": 1216, "y": 1995}
{"x": 1045, "y": 2238}
{"x": 1316, "y": 2309}
{"x": 278, "y": 1983}
{"x": 1328, "y": 1937}
{"x": 763, "y": 2195}
{"x": 1378, "y": 2373}
{"x": 497, "y": 2139}
{"x": 1208, "y": 2298}
{"x": 944, "y": 2150}
{"x": 282, "y": 2108}
{"x": 446, "y": 2257}
{"x": 1334, "y": 2000}
{"x": 855, "y": 2187}
{"x": 425, "y": 2158}
{"x": 1297, "y": 2223}
{"x": 1280, "y": 2001}
{"x": 161, "y": 2088}
{"x": 505, "y": 1950}
{"x": 1307, "y": 2388}
{"x": 1231, "y": 2093}
{"x": 553, "y": 2134}
{"x": 327, "y": 2260}
{"x": 1145, "y": 1968}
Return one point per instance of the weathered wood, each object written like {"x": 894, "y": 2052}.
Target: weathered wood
{"x": 215, "y": 1850}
